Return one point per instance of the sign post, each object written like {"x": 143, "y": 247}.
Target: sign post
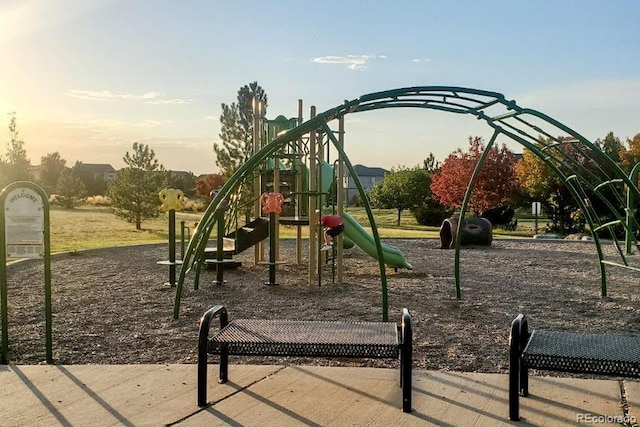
{"x": 536, "y": 209}
{"x": 24, "y": 233}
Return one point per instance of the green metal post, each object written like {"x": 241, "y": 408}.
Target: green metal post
{"x": 183, "y": 230}
{"x": 272, "y": 248}
{"x": 47, "y": 278}
{"x": 220, "y": 248}
{"x": 463, "y": 210}
{"x": 4, "y": 358}
{"x": 631, "y": 207}
{"x": 172, "y": 247}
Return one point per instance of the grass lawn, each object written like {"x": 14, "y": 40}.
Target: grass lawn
{"x": 96, "y": 227}
{"x": 85, "y": 228}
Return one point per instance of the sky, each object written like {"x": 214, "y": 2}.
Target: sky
{"x": 87, "y": 79}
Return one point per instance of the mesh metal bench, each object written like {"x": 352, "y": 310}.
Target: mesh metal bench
{"x": 586, "y": 353}
{"x": 253, "y": 337}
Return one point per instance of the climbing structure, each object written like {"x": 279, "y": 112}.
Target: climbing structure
{"x": 597, "y": 184}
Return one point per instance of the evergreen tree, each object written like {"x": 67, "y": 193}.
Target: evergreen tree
{"x": 17, "y": 167}
{"x": 70, "y": 189}
{"x": 611, "y": 146}
{"x": 134, "y": 191}
{"x": 51, "y": 168}
{"x": 236, "y": 130}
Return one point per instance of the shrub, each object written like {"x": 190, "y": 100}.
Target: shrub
{"x": 194, "y": 205}
{"x": 355, "y": 201}
{"x": 97, "y": 201}
{"x": 500, "y": 216}
{"x": 432, "y": 214}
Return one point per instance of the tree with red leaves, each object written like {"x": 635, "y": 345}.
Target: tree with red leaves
{"x": 495, "y": 184}
{"x": 205, "y": 185}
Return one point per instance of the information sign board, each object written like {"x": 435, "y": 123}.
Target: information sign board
{"x": 536, "y": 208}
{"x": 24, "y": 223}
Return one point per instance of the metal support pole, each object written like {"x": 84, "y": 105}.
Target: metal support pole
{"x": 313, "y": 205}
{"x": 257, "y": 106}
{"x": 172, "y": 248}
{"x": 183, "y": 230}
{"x": 273, "y": 221}
{"x": 220, "y": 248}
{"x": 631, "y": 208}
{"x": 299, "y": 179}
{"x": 340, "y": 196}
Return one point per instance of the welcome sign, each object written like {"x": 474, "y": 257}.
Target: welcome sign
{"x": 24, "y": 233}
{"x": 24, "y": 223}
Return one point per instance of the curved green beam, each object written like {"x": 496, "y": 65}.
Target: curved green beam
{"x": 631, "y": 208}
{"x": 459, "y": 100}
{"x": 463, "y": 209}
{"x": 534, "y": 149}
{"x": 580, "y": 202}
{"x": 374, "y": 228}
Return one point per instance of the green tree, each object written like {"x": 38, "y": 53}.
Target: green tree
{"x": 402, "y": 189}
{"x": 17, "y": 166}
{"x": 4, "y": 180}
{"x": 430, "y": 164}
{"x": 611, "y": 146}
{"x": 51, "y": 168}
{"x": 134, "y": 191}
{"x": 543, "y": 185}
{"x": 236, "y": 130}
{"x": 630, "y": 156}
{"x": 70, "y": 189}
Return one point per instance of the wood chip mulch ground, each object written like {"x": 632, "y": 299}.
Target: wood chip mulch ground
{"x": 113, "y": 306}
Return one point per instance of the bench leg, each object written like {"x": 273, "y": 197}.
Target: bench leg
{"x": 524, "y": 380}
{"x": 406, "y": 353}
{"x": 514, "y": 386}
{"x": 203, "y": 341}
{"x": 224, "y": 364}
{"x": 202, "y": 375}
{"x": 518, "y": 373}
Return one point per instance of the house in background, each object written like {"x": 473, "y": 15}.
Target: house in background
{"x": 95, "y": 176}
{"x": 368, "y": 178}
{"x": 95, "y": 171}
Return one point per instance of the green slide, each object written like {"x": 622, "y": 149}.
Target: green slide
{"x": 393, "y": 257}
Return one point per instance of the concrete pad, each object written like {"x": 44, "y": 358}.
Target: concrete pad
{"x": 477, "y": 399}
{"x": 632, "y": 392}
{"x": 310, "y": 395}
{"x": 155, "y": 395}
{"x": 108, "y": 395}
{"x": 563, "y": 401}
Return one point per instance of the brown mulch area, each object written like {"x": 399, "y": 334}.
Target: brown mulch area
{"x": 112, "y": 306}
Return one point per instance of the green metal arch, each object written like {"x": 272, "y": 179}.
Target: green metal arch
{"x": 523, "y": 125}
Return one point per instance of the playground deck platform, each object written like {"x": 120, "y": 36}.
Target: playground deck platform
{"x": 161, "y": 395}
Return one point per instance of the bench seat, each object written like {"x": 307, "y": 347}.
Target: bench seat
{"x": 585, "y": 353}
{"x": 299, "y": 338}
{"x": 306, "y": 339}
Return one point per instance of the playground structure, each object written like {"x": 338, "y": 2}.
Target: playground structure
{"x": 601, "y": 190}
{"x": 308, "y": 182}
